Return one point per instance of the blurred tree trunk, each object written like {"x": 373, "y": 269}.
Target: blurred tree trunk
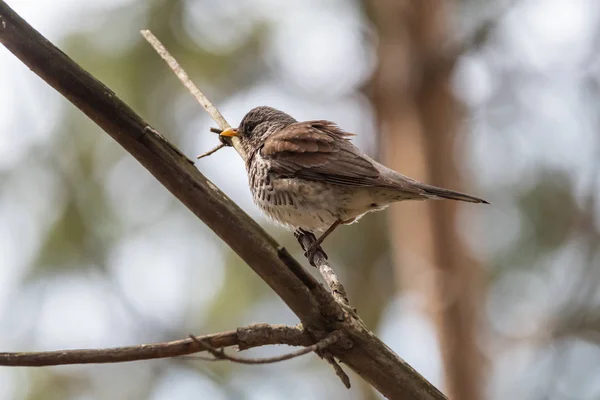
{"x": 418, "y": 119}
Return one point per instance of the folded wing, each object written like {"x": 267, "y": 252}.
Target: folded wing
{"x": 318, "y": 151}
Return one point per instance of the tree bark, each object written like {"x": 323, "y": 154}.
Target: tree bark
{"x": 419, "y": 119}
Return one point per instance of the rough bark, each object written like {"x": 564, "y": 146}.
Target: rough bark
{"x": 243, "y": 337}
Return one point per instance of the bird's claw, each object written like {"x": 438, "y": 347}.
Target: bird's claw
{"x": 312, "y": 251}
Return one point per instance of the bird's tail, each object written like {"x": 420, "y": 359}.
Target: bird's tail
{"x": 434, "y": 192}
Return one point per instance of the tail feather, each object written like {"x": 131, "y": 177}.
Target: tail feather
{"x": 436, "y": 193}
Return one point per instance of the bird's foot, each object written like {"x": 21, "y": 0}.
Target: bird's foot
{"x": 312, "y": 250}
{"x": 315, "y": 245}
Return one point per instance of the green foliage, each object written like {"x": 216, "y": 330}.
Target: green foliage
{"x": 549, "y": 211}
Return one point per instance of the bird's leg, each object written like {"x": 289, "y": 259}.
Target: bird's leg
{"x": 310, "y": 252}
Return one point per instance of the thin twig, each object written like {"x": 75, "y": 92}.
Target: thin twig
{"x": 213, "y": 151}
{"x": 337, "y": 368}
{"x": 246, "y": 337}
{"x": 224, "y": 143}
{"x": 219, "y": 354}
{"x": 194, "y": 90}
{"x": 184, "y": 78}
{"x": 319, "y": 260}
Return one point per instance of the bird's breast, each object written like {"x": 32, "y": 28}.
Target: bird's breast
{"x": 310, "y": 205}
{"x": 292, "y": 202}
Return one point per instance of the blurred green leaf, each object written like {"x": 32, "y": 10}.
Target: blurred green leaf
{"x": 549, "y": 210}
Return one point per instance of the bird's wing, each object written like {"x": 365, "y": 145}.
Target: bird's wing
{"x": 318, "y": 151}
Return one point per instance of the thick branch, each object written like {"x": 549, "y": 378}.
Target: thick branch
{"x": 319, "y": 313}
{"x": 245, "y": 338}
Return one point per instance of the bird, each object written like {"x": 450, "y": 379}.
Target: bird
{"x": 308, "y": 176}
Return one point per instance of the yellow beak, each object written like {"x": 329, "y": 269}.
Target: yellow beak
{"x": 230, "y": 132}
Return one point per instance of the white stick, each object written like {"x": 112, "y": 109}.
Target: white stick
{"x": 185, "y": 79}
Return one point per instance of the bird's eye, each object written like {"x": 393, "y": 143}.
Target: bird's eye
{"x": 249, "y": 127}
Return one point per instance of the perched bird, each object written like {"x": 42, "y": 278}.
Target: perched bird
{"x": 309, "y": 177}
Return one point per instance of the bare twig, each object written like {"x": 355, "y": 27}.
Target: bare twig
{"x": 319, "y": 260}
{"x": 220, "y": 354}
{"x": 194, "y": 90}
{"x": 320, "y": 348}
{"x": 337, "y": 368}
{"x": 224, "y": 143}
{"x": 246, "y": 337}
{"x": 183, "y": 77}
{"x": 212, "y": 151}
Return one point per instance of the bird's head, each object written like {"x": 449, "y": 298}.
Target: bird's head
{"x": 257, "y": 125}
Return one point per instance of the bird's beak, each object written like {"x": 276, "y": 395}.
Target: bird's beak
{"x": 230, "y": 132}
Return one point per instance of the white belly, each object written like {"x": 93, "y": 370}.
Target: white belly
{"x": 313, "y": 206}
{"x": 310, "y": 219}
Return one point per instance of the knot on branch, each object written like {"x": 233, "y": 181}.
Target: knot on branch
{"x": 260, "y": 334}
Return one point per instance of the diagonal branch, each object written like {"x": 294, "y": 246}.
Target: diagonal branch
{"x": 196, "y": 92}
{"x": 362, "y": 351}
{"x": 183, "y": 77}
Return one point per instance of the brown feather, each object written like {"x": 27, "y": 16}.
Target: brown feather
{"x": 321, "y": 151}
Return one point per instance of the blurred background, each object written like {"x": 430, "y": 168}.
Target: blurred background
{"x": 496, "y": 98}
